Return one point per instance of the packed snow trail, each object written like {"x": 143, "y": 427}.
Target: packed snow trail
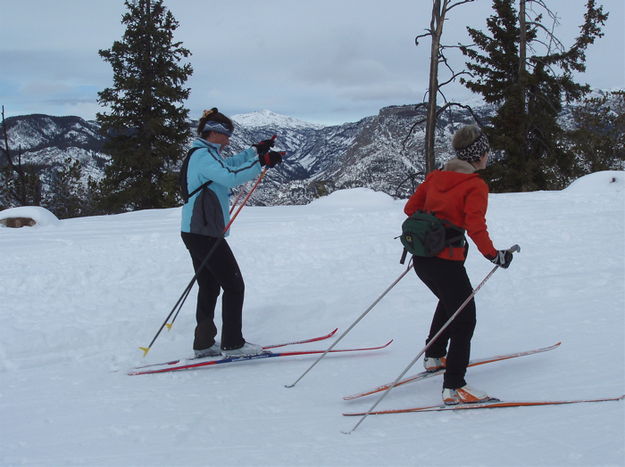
{"x": 79, "y": 297}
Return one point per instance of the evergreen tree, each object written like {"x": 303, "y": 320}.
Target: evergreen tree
{"x": 529, "y": 90}
{"x": 598, "y": 137}
{"x": 68, "y": 196}
{"x": 7, "y": 187}
{"x": 20, "y": 184}
{"x": 146, "y": 124}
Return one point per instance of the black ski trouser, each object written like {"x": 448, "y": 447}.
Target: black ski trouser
{"x": 221, "y": 272}
{"x": 448, "y": 280}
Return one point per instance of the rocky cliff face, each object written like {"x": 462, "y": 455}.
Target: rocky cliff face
{"x": 47, "y": 142}
{"x": 382, "y": 152}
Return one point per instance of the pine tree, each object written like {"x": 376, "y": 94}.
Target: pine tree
{"x": 68, "y": 196}
{"x": 20, "y": 184}
{"x": 598, "y": 137}
{"x": 529, "y": 89}
{"x": 146, "y": 126}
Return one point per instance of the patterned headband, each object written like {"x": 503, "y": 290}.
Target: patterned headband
{"x": 474, "y": 151}
{"x": 217, "y": 127}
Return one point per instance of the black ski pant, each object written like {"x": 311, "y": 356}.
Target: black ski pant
{"x": 221, "y": 272}
{"x": 448, "y": 280}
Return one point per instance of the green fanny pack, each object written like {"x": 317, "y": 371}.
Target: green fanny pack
{"x": 424, "y": 234}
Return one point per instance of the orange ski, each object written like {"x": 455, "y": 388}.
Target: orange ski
{"x": 494, "y": 404}
{"x": 428, "y": 374}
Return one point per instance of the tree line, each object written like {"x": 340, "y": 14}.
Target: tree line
{"x": 517, "y": 64}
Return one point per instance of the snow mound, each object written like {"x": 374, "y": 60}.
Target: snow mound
{"x": 40, "y": 215}
{"x": 604, "y": 181}
{"x": 354, "y": 198}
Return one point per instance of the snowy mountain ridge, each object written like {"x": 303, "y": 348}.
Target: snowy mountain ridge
{"x": 267, "y": 118}
{"x": 383, "y": 152}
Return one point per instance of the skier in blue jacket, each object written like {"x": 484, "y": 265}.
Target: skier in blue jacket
{"x": 204, "y": 218}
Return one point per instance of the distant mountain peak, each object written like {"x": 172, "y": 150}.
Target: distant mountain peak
{"x": 265, "y": 118}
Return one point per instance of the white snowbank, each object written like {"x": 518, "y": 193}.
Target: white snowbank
{"x": 42, "y": 216}
{"x": 354, "y": 198}
{"x": 604, "y": 181}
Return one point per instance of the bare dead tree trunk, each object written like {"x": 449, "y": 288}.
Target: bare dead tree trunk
{"x": 13, "y": 188}
{"x": 436, "y": 29}
{"x": 522, "y": 74}
{"x": 522, "y": 51}
{"x": 440, "y": 8}
{"x": 6, "y": 141}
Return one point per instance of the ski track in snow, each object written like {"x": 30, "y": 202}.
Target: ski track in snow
{"x": 80, "y": 296}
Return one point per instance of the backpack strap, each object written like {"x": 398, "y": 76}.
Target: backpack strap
{"x": 186, "y": 167}
{"x": 403, "y": 256}
{"x": 454, "y": 237}
{"x": 200, "y": 188}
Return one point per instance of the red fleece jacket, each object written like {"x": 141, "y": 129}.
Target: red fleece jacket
{"x": 461, "y": 198}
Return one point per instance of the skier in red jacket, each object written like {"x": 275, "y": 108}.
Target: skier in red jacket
{"x": 457, "y": 194}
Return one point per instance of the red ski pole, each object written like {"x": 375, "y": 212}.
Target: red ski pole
{"x": 236, "y": 201}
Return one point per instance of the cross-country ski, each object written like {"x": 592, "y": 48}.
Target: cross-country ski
{"x": 428, "y": 374}
{"x": 493, "y": 404}
{"x": 266, "y": 347}
{"x": 265, "y": 355}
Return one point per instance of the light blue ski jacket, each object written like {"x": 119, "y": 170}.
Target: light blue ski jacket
{"x": 207, "y": 212}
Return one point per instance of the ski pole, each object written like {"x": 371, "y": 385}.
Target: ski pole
{"x": 236, "y": 200}
{"x": 377, "y": 300}
{"x": 187, "y": 290}
{"x": 514, "y": 248}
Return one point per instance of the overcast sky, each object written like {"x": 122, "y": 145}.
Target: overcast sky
{"x": 325, "y": 61}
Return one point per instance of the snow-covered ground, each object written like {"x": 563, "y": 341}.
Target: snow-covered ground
{"x": 79, "y": 296}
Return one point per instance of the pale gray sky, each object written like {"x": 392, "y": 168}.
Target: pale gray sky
{"x": 326, "y": 61}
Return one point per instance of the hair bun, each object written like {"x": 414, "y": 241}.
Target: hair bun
{"x": 209, "y": 112}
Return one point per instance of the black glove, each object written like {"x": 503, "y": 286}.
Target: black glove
{"x": 263, "y": 147}
{"x": 271, "y": 159}
{"x": 503, "y": 258}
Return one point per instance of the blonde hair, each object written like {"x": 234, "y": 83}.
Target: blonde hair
{"x": 465, "y": 136}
